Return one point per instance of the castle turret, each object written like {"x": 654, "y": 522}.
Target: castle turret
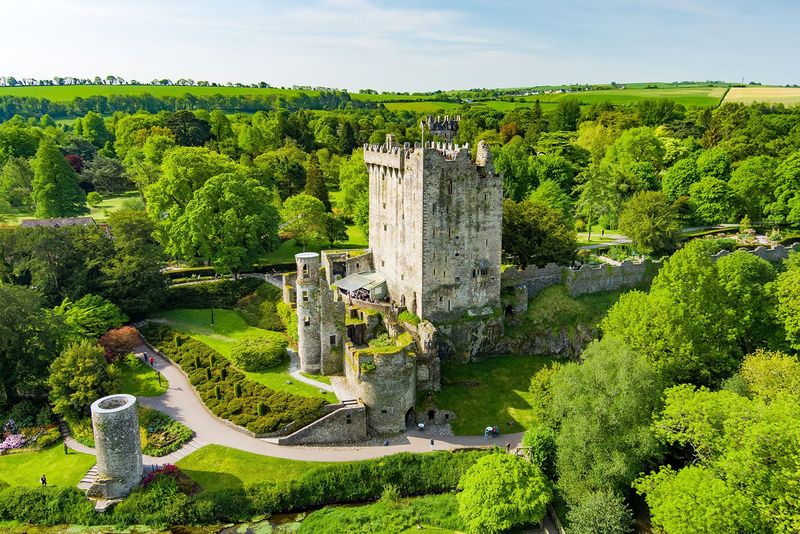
{"x": 308, "y": 312}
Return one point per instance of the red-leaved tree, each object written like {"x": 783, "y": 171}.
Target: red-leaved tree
{"x": 120, "y": 342}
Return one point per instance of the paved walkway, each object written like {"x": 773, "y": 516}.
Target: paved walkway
{"x": 182, "y": 403}
{"x": 294, "y": 370}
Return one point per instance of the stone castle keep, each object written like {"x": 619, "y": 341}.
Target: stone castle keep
{"x": 435, "y": 228}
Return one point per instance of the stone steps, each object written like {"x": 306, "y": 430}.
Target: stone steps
{"x": 88, "y": 479}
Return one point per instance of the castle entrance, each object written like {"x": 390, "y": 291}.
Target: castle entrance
{"x": 411, "y": 417}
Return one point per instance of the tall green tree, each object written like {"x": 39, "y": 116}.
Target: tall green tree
{"x": 712, "y": 200}
{"x": 55, "y": 184}
{"x": 78, "y": 377}
{"x": 16, "y": 181}
{"x": 501, "y": 491}
{"x": 90, "y": 316}
{"x": 315, "y": 181}
{"x": 303, "y": 218}
{"x": 567, "y": 115}
{"x": 753, "y": 182}
{"x": 536, "y": 234}
{"x": 230, "y": 220}
{"x": 93, "y": 129}
{"x": 650, "y": 221}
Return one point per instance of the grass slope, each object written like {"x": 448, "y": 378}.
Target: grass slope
{"x": 286, "y": 251}
{"x": 25, "y": 468}
{"x": 491, "y": 392}
{"x": 229, "y": 326}
{"x": 215, "y": 467}
{"x": 141, "y": 381}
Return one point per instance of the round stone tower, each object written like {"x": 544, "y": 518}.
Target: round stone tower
{"x": 116, "y": 440}
{"x": 308, "y": 313}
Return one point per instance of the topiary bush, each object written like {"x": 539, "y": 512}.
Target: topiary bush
{"x": 258, "y": 353}
{"x": 220, "y": 293}
{"x": 283, "y": 408}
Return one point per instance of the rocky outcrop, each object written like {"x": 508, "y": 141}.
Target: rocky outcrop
{"x": 562, "y": 342}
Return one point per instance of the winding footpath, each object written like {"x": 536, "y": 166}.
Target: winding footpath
{"x": 182, "y": 403}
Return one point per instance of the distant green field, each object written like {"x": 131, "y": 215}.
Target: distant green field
{"x": 421, "y": 107}
{"x": 688, "y": 96}
{"x": 66, "y": 93}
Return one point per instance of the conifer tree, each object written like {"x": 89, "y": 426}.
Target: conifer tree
{"x": 315, "y": 182}
{"x": 55, "y": 184}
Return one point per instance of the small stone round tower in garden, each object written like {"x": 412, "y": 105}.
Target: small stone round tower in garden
{"x": 119, "y": 453}
{"x": 308, "y": 313}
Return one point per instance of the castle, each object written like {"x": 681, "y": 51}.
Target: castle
{"x": 434, "y": 257}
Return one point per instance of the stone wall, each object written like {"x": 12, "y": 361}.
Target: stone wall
{"x": 344, "y": 423}
{"x": 331, "y": 330}
{"x": 385, "y": 383}
{"x": 435, "y": 227}
{"x": 595, "y": 278}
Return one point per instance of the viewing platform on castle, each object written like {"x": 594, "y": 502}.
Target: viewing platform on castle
{"x": 394, "y": 155}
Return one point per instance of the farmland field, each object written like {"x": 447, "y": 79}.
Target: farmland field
{"x": 688, "y": 96}
{"x": 421, "y": 107}
{"x": 789, "y": 96}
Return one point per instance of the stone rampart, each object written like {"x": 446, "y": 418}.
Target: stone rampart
{"x": 344, "y": 423}
{"x": 604, "y": 277}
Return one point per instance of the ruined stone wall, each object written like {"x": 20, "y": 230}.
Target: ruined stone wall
{"x": 338, "y": 264}
{"x": 595, "y": 278}
{"x": 345, "y": 423}
{"x": 308, "y": 312}
{"x": 386, "y": 384}
{"x": 119, "y": 454}
{"x": 289, "y": 281}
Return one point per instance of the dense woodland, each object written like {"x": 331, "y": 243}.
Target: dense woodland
{"x": 688, "y": 401}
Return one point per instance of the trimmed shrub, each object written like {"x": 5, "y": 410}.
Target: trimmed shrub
{"x": 220, "y": 293}
{"x": 258, "y": 353}
{"x": 283, "y": 408}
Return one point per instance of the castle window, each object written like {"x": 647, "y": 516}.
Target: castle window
{"x": 333, "y": 340}
{"x": 383, "y": 263}
{"x": 434, "y": 232}
{"x": 305, "y": 269}
{"x": 484, "y": 272}
{"x": 448, "y": 305}
{"x": 307, "y": 321}
{"x": 358, "y": 265}
{"x": 384, "y": 411}
{"x": 384, "y": 227}
{"x": 348, "y": 420}
{"x": 473, "y": 273}
{"x": 457, "y": 253}
{"x": 384, "y": 205}
{"x": 402, "y": 277}
{"x": 487, "y": 242}
{"x": 434, "y": 272}
{"x": 458, "y": 279}
{"x": 441, "y": 299}
{"x": 305, "y": 296}
{"x": 450, "y": 187}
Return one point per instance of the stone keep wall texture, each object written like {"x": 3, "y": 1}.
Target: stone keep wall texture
{"x": 388, "y": 391}
{"x": 332, "y": 331}
{"x": 308, "y": 312}
{"x": 435, "y": 227}
{"x": 116, "y": 436}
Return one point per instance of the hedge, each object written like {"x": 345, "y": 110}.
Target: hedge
{"x": 220, "y": 293}
{"x": 258, "y": 353}
{"x": 211, "y": 373}
{"x": 162, "y": 503}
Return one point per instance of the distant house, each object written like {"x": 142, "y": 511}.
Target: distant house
{"x": 58, "y": 223}
{"x": 63, "y": 222}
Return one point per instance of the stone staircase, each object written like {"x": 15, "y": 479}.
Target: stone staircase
{"x": 88, "y": 479}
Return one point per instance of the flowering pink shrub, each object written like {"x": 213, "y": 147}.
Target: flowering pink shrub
{"x": 12, "y": 441}
{"x": 166, "y": 469}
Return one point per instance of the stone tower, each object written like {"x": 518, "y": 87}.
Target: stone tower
{"x": 444, "y": 128}
{"x": 435, "y": 226}
{"x": 308, "y": 312}
{"x": 119, "y": 453}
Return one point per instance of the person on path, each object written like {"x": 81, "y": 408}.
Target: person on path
{"x": 508, "y": 447}
{"x": 152, "y": 361}
{"x": 43, "y": 480}
{"x": 66, "y": 449}
{"x": 431, "y": 443}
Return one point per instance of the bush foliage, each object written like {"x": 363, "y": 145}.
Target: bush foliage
{"x": 220, "y": 293}
{"x": 208, "y": 370}
{"x": 258, "y": 353}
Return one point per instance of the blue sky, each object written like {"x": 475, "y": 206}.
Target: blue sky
{"x": 404, "y": 45}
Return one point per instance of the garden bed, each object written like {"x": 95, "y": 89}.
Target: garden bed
{"x": 227, "y": 392}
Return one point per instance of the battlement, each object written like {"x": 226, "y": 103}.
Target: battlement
{"x": 394, "y": 156}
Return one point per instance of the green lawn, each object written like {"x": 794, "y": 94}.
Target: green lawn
{"x": 228, "y": 327}
{"x": 215, "y": 467}
{"x": 25, "y": 468}
{"x": 318, "y": 378}
{"x": 490, "y": 392}
{"x": 99, "y": 213}
{"x": 286, "y": 251}
{"x": 141, "y": 381}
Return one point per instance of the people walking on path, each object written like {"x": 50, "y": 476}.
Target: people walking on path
{"x": 66, "y": 449}
{"x": 431, "y": 443}
{"x": 43, "y": 480}
{"x": 508, "y": 447}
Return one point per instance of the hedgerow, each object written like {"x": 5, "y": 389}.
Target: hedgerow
{"x": 215, "y": 380}
{"x": 220, "y": 293}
